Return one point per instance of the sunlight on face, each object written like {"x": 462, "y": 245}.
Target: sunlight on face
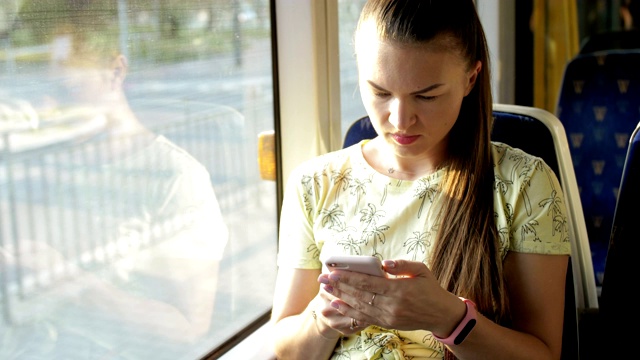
{"x": 412, "y": 92}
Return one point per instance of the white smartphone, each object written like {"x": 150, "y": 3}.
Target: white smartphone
{"x": 360, "y": 263}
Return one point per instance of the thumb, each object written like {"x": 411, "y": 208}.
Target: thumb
{"x": 405, "y": 268}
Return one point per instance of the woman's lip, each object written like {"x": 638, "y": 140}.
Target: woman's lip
{"x": 404, "y": 139}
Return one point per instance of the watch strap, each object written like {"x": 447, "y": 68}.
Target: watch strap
{"x": 464, "y": 327}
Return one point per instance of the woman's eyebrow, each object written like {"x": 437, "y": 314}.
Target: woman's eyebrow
{"x": 427, "y": 89}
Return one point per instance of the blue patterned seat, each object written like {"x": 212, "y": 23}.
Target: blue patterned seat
{"x": 599, "y": 106}
{"x": 359, "y": 130}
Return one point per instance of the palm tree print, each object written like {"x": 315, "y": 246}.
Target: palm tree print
{"x": 377, "y": 234}
{"x": 307, "y": 193}
{"x": 306, "y": 184}
{"x": 530, "y": 227}
{"x": 334, "y": 218}
{"x": 382, "y": 343}
{"x": 342, "y": 354}
{"x": 504, "y": 231}
{"x": 501, "y": 184}
{"x": 432, "y": 343}
{"x": 425, "y": 191}
{"x": 307, "y": 204}
{"x": 519, "y": 158}
{"x": 317, "y": 181}
{"x": 417, "y": 244}
{"x": 313, "y": 248}
{"x": 384, "y": 195}
{"x": 508, "y": 214}
{"x": 370, "y": 215}
{"x": 525, "y": 195}
{"x": 540, "y": 166}
{"x": 553, "y": 204}
{"x": 560, "y": 225}
{"x": 369, "y": 218}
{"x": 358, "y": 189}
{"x": 501, "y": 151}
{"x": 341, "y": 179}
{"x": 350, "y": 245}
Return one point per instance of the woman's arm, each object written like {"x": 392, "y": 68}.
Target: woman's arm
{"x": 536, "y": 290}
{"x": 297, "y": 333}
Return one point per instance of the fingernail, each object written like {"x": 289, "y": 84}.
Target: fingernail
{"x": 335, "y": 305}
{"x": 323, "y": 280}
{"x": 328, "y": 288}
{"x": 334, "y": 277}
{"x": 389, "y": 263}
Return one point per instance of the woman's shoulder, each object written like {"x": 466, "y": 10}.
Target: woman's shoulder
{"x": 503, "y": 148}
{"x": 515, "y": 166}
{"x": 337, "y": 160}
{"x": 505, "y": 155}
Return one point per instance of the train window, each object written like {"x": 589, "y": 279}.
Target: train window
{"x": 133, "y": 220}
{"x": 351, "y": 107}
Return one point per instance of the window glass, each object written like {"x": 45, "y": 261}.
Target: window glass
{"x": 351, "y": 107}
{"x": 133, "y": 220}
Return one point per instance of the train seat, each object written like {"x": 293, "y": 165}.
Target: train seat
{"x": 540, "y": 133}
{"x": 610, "y": 40}
{"x": 359, "y": 130}
{"x": 598, "y": 107}
{"x": 621, "y": 271}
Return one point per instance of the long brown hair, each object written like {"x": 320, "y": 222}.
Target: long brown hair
{"x": 466, "y": 257}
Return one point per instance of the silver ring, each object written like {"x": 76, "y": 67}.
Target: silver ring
{"x": 354, "y": 324}
{"x": 373, "y": 298}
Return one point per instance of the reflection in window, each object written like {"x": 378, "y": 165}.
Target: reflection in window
{"x": 350, "y": 101}
{"x": 128, "y": 174}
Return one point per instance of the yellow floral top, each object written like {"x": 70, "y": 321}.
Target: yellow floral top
{"x": 338, "y": 204}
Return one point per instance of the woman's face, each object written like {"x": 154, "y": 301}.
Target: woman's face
{"x": 412, "y": 93}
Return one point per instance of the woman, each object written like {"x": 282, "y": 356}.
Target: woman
{"x": 469, "y": 231}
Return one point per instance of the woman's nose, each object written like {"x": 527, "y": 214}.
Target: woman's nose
{"x": 401, "y": 114}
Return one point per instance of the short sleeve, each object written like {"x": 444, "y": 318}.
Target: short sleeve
{"x": 297, "y": 246}
{"x": 530, "y": 205}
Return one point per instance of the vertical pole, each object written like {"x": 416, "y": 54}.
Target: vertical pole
{"x": 124, "y": 27}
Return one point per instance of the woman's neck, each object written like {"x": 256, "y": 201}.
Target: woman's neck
{"x": 379, "y": 157}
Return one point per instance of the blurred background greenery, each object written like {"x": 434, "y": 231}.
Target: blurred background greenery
{"x": 162, "y": 31}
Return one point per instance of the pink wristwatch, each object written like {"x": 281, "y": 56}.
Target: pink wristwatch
{"x": 464, "y": 327}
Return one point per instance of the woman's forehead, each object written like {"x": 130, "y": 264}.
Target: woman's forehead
{"x": 366, "y": 35}
{"x": 369, "y": 37}
{"x": 378, "y": 52}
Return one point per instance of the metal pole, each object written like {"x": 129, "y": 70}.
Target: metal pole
{"x": 124, "y": 27}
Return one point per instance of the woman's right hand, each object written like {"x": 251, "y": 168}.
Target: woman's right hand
{"x": 329, "y": 318}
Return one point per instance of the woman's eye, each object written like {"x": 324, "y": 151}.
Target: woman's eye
{"x": 380, "y": 94}
{"x": 426, "y": 98}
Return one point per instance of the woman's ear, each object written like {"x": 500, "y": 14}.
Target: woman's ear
{"x": 119, "y": 70}
{"x": 472, "y": 76}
